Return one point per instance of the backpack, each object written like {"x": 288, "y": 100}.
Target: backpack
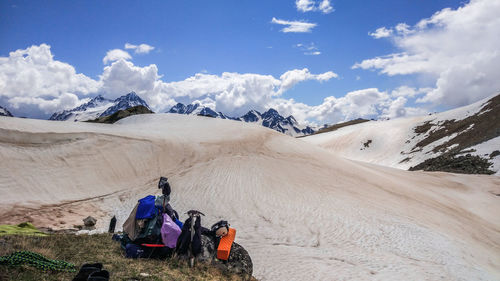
{"x": 151, "y": 233}
{"x": 170, "y": 231}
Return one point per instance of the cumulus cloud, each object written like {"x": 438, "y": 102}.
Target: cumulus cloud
{"x": 405, "y": 91}
{"x": 292, "y": 77}
{"x": 310, "y": 5}
{"x": 31, "y": 80}
{"x": 365, "y": 103}
{"x": 381, "y": 32}
{"x": 231, "y": 93}
{"x": 140, "y": 49}
{"x": 294, "y": 26}
{"x": 123, "y": 76}
{"x": 116, "y": 54}
{"x": 32, "y": 76}
{"x": 456, "y": 47}
{"x": 398, "y": 109}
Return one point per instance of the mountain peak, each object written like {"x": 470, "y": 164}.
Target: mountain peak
{"x": 132, "y": 96}
{"x": 129, "y": 100}
{"x": 99, "y": 107}
{"x": 5, "y": 112}
{"x": 270, "y": 119}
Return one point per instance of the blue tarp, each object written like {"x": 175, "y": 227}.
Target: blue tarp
{"x": 146, "y": 208}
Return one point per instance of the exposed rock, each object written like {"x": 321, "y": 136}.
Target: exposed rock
{"x": 494, "y": 154}
{"x": 122, "y": 114}
{"x": 239, "y": 261}
{"x": 467, "y": 164}
{"x": 89, "y": 223}
{"x": 367, "y": 144}
{"x": 5, "y": 112}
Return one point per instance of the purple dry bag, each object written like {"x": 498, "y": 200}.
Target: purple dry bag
{"x": 170, "y": 231}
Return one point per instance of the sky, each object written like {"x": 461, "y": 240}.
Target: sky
{"x": 322, "y": 61}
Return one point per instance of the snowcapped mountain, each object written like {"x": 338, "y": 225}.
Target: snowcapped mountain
{"x": 462, "y": 140}
{"x": 5, "y": 112}
{"x": 87, "y": 111}
{"x": 270, "y": 119}
{"x": 129, "y": 100}
{"x": 99, "y": 107}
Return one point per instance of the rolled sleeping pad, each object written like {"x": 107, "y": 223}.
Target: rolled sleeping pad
{"x": 225, "y": 244}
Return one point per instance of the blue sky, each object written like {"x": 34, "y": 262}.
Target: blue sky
{"x": 213, "y": 37}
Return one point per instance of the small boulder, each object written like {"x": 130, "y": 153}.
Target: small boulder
{"x": 239, "y": 261}
{"x": 89, "y": 222}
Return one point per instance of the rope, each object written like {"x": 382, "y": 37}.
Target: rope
{"x": 37, "y": 261}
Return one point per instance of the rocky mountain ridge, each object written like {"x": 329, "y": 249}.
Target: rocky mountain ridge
{"x": 99, "y": 107}
{"x": 270, "y": 119}
{"x": 5, "y": 112}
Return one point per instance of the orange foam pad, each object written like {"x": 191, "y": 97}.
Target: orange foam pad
{"x": 225, "y": 245}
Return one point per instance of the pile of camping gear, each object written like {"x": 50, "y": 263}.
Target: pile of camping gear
{"x": 153, "y": 230}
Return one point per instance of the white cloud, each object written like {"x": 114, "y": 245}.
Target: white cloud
{"x": 405, "y": 91}
{"x": 123, "y": 76}
{"x": 32, "y": 80}
{"x": 140, "y": 49}
{"x": 65, "y": 100}
{"x": 116, "y": 54}
{"x": 381, "y": 32}
{"x": 292, "y": 77}
{"x": 308, "y": 49}
{"x": 398, "y": 109}
{"x": 294, "y": 26}
{"x": 305, "y": 5}
{"x": 310, "y": 5}
{"x": 457, "y": 48}
{"x": 32, "y": 76}
{"x": 325, "y": 7}
{"x": 366, "y": 103}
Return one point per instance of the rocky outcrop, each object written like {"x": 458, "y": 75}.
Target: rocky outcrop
{"x": 468, "y": 164}
{"x": 122, "y": 114}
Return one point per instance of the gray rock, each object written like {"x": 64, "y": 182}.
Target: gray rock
{"x": 89, "y": 222}
{"x": 239, "y": 261}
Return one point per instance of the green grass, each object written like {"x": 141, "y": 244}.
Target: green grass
{"x": 79, "y": 249}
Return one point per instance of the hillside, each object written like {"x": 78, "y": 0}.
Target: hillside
{"x": 120, "y": 114}
{"x": 463, "y": 140}
{"x": 302, "y": 212}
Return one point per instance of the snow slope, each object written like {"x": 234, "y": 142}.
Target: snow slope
{"x": 394, "y": 143}
{"x": 302, "y": 212}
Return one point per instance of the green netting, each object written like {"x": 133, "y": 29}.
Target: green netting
{"x": 37, "y": 261}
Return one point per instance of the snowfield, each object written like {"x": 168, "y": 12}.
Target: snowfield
{"x": 302, "y": 212}
{"x": 393, "y": 143}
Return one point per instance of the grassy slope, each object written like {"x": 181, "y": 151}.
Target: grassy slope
{"x": 79, "y": 249}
